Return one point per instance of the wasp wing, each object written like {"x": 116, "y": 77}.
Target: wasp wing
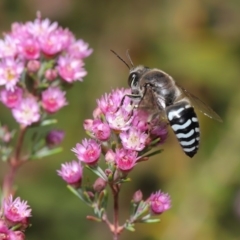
{"x": 149, "y": 104}
{"x": 200, "y": 105}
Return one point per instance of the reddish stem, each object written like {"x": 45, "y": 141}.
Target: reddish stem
{"x": 115, "y": 191}
{"x": 14, "y": 163}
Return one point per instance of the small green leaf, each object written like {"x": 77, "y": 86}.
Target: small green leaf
{"x": 153, "y": 220}
{"x": 45, "y": 151}
{"x": 80, "y": 194}
{"x": 153, "y": 153}
{"x": 48, "y": 122}
{"x": 98, "y": 171}
{"x": 130, "y": 227}
{"x": 103, "y": 199}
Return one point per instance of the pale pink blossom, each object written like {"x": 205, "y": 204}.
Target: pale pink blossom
{"x": 16, "y": 210}
{"x": 159, "y": 202}
{"x": 53, "y": 99}
{"x": 141, "y": 120}
{"x": 27, "y": 112}
{"x": 80, "y": 49}
{"x": 71, "y": 172}
{"x": 110, "y": 103}
{"x": 11, "y": 98}
{"x": 125, "y": 159}
{"x": 50, "y": 44}
{"x": 66, "y": 37}
{"x": 133, "y": 139}
{"x": 87, "y": 124}
{"x": 40, "y": 27}
{"x": 29, "y": 49}
{"x": 10, "y": 72}
{"x": 119, "y": 120}
{"x": 71, "y": 69}
{"x": 19, "y": 31}
{"x": 8, "y": 47}
{"x": 101, "y": 130}
{"x": 88, "y": 152}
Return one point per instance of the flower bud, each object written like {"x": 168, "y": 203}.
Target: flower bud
{"x": 54, "y": 137}
{"x": 33, "y": 66}
{"x": 99, "y": 185}
{"x": 51, "y": 74}
{"x": 137, "y": 196}
{"x": 5, "y": 134}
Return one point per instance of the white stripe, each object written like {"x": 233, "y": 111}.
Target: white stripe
{"x": 185, "y": 135}
{"x": 175, "y": 113}
{"x": 189, "y": 149}
{"x": 197, "y": 129}
{"x": 194, "y": 119}
{"x": 197, "y": 138}
{"x": 187, "y": 106}
{"x": 185, "y": 143}
{"x": 175, "y": 127}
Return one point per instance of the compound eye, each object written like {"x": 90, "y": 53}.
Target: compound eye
{"x": 133, "y": 80}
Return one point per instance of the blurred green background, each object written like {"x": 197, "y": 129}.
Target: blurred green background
{"x": 198, "y": 43}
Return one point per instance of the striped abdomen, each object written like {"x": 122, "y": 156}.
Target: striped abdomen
{"x": 184, "y": 123}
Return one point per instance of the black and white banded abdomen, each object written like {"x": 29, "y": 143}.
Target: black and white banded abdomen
{"x": 184, "y": 123}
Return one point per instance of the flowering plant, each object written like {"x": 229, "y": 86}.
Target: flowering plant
{"x": 124, "y": 137}
{"x": 37, "y": 61}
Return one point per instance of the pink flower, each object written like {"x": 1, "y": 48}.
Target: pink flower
{"x": 160, "y": 131}
{"x": 71, "y": 69}
{"x": 119, "y": 120}
{"x": 10, "y": 72}
{"x": 88, "y": 152}
{"x": 133, "y": 139}
{"x": 109, "y": 103}
{"x": 7, "y": 234}
{"x": 11, "y": 98}
{"x": 141, "y": 120}
{"x": 88, "y": 124}
{"x": 80, "y": 49}
{"x": 40, "y": 27}
{"x": 125, "y": 159}
{"x": 50, "y": 43}
{"x": 159, "y": 202}
{"x": 53, "y": 99}
{"x": 66, "y": 38}
{"x": 17, "y": 210}
{"x": 8, "y": 47}
{"x": 19, "y": 32}
{"x": 101, "y": 130}
{"x": 29, "y": 49}
{"x": 27, "y": 112}
{"x": 71, "y": 172}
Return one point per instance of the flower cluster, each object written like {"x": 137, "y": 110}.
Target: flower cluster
{"x": 36, "y": 58}
{"x": 124, "y": 136}
{"x": 14, "y": 218}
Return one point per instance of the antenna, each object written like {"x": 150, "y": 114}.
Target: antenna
{"x": 121, "y": 58}
{"x": 129, "y": 58}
